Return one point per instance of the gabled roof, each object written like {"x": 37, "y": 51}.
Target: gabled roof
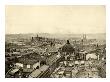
{"x": 37, "y": 72}
{"x": 52, "y": 59}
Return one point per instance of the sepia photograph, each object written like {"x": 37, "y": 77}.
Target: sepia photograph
{"x": 55, "y": 41}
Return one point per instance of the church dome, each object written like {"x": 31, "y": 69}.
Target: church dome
{"x": 68, "y": 47}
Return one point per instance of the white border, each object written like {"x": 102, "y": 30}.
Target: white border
{"x": 51, "y": 2}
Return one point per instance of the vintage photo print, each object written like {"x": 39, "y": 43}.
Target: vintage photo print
{"x": 55, "y": 41}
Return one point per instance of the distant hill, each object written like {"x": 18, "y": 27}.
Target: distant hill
{"x": 58, "y": 36}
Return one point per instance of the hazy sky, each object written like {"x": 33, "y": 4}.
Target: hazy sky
{"x": 55, "y": 19}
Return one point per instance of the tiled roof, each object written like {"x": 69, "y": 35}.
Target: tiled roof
{"x": 37, "y": 72}
{"x": 52, "y": 59}
{"x": 30, "y": 58}
{"x": 52, "y": 49}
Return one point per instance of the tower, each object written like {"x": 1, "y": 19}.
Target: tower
{"x": 83, "y": 40}
{"x": 84, "y": 37}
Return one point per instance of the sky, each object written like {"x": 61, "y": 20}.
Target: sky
{"x": 55, "y": 19}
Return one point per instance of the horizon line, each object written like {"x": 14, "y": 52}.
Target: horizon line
{"x": 54, "y": 33}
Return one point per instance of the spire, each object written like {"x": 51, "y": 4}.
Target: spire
{"x": 37, "y": 35}
{"x": 68, "y": 42}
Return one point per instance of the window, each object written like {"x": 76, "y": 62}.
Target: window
{"x": 28, "y": 66}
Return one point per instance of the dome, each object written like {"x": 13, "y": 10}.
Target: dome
{"x": 68, "y": 47}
